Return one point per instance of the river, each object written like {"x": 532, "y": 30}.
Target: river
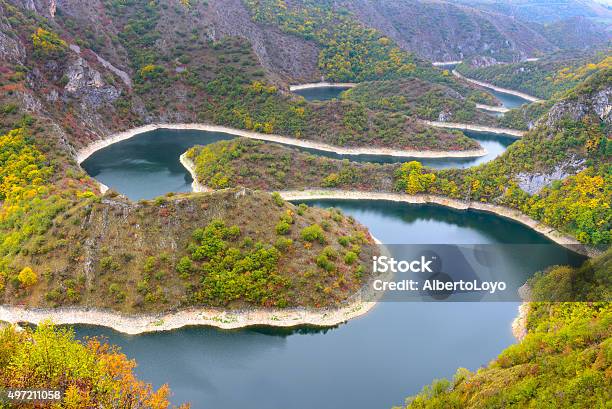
{"x": 326, "y": 93}
{"x": 371, "y": 362}
{"x": 321, "y": 93}
{"x": 148, "y": 165}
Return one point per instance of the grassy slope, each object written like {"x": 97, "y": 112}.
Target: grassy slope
{"x": 422, "y": 99}
{"x": 270, "y": 167}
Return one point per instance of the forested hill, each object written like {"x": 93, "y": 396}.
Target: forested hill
{"x": 546, "y": 11}
{"x": 447, "y": 31}
{"x": 543, "y": 78}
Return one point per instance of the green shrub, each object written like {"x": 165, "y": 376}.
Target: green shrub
{"x": 312, "y": 233}
{"x": 282, "y": 227}
{"x": 350, "y": 257}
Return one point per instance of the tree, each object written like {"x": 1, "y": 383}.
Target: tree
{"x": 27, "y": 277}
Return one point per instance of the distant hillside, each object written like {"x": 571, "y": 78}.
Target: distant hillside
{"x": 446, "y": 31}
{"x": 545, "y": 77}
{"x": 543, "y": 11}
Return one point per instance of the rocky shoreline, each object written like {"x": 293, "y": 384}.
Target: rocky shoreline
{"x": 549, "y": 232}
{"x": 188, "y": 164}
{"x": 90, "y": 149}
{"x": 223, "y": 319}
{"x": 478, "y": 128}
{"x": 322, "y": 84}
{"x": 492, "y": 108}
{"x": 519, "y": 94}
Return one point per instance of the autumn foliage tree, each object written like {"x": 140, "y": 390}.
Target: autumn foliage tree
{"x": 93, "y": 374}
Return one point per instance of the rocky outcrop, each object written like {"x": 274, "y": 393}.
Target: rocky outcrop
{"x": 11, "y": 49}
{"x": 291, "y": 58}
{"x": 576, "y": 108}
{"x": 533, "y": 183}
{"x": 86, "y": 83}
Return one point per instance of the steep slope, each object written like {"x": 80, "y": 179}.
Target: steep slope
{"x": 545, "y": 11}
{"x": 543, "y": 78}
{"x": 563, "y": 361}
{"x": 443, "y": 31}
{"x": 123, "y": 65}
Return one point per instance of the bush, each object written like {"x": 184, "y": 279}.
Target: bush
{"x": 108, "y": 264}
{"x": 350, "y": 257}
{"x": 278, "y": 199}
{"x": 184, "y": 266}
{"x": 325, "y": 263}
{"x": 283, "y": 227}
{"x": 283, "y": 243}
{"x": 312, "y": 233}
{"x": 27, "y": 277}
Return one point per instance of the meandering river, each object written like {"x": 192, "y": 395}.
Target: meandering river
{"x": 148, "y": 165}
{"x": 326, "y": 93}
{"x": 371, "y": 362}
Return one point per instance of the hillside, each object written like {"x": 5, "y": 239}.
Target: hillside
{"x": 545, "y": 12}
{"x": 558, "y": 173}
{"x": 204, "y": 250}
{"x": 90, "y": 372}
{"x": 424, "y": 100}
{"x": 543, "y": 78}
{"x": 272, "y": 167}
{"x": 94, "y": 79}
{"x": 563, "y": 361}
{"x": 446, "y": 31}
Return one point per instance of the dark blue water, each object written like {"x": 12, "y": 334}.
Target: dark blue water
{"x": 371, "y": 362}
{"x": 147, "y": 165}
{"x": 321, "y": 93}
{"x": 508, "y": 100}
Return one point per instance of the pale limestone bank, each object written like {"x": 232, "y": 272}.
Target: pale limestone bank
{"x": 492, "y": 108}
{"x": 322, "y": 84}
{"x": 547, "y": 231}
{"x": 224, "y": 319}
{"x": 89, "y": 150}
{"x": 519, "y": 94}
{"x": 188, "y": 164}
{"x": 477, "y": 128}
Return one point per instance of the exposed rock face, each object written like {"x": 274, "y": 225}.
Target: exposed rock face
{"x": 598, "y": 103}
{"x": 602, "y": 106}
{"x": 87, "y": 83}
{"x": 533, "y": 183}
{"x": 11, "y": 49}
{"x": 482, "y": 62}
{"x": 444, "y": 116}
{"x": 290, "y": 57}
